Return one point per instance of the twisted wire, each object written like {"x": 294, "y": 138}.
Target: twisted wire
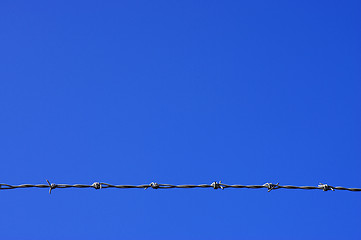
{"x": 214, "y": 185}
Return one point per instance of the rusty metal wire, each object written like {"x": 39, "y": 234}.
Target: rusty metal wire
{"x": 214, "y": 185}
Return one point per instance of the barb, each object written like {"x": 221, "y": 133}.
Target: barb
{"x": 217, "y": 185}
{"x": 325, "y": 187}
{"x": 154, "y": 185}
{"x": 271, "y": 186}
{"x": 97, "y": 185}
{"x": 51, "y": 186}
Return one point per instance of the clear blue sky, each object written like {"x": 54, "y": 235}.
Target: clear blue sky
{"x": 180, "y": 92}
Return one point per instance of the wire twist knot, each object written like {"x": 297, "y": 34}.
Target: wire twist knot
{"x": 217, "y": 185}
{"x": 51, "y": 186}
{"x": 326, "y": 187}
{"x": 97, "y": 185}
{"x": 271, "y": 186}
{"x": 153, "y": 185}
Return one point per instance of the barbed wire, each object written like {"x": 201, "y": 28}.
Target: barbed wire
{"x": 154, "y": 185}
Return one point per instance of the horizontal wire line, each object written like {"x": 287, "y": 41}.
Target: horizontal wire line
{"x": 215, "y": 185}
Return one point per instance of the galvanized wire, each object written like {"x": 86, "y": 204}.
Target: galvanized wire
{"x": 214, "y": 185}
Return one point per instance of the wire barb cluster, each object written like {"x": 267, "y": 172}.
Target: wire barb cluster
{"x": 271, "y": 186}
{"x": 154, "y": 185}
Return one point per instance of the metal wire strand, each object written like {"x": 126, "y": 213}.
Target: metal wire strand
{"x": 154, "y": 185}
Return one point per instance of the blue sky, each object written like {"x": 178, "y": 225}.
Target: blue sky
{"x": 180, "y": 92}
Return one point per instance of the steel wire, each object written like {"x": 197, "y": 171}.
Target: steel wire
{"x": 214, "y": 185}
